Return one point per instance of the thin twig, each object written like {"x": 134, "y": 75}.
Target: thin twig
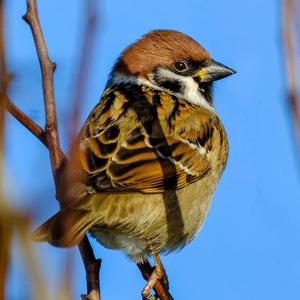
{"x": 146, "y": 271}
{"x": 34, "y": 128}
{"x": 82, "y": 74}
{"x": 92, "y": 267}
{"x": 290, "y": 44}
{"x": 51, "y": 129}
{"x": 47, "y": 69}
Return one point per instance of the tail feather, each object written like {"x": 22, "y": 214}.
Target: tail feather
{"x": 66, "y": 228}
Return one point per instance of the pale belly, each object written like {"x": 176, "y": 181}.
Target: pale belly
{"x": 139, "y": 224}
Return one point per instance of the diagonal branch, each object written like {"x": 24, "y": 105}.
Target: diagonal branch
{"x": 34, "y": 128}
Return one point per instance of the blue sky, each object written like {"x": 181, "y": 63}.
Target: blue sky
{"x": 249, "y": 247}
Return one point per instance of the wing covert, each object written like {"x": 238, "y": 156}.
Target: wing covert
{"x": 119, "y": 154}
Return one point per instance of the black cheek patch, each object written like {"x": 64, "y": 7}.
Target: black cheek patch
{"x": 172, "y": 85}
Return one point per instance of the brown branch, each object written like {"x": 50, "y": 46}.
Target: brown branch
{"x": 290, "y": 44}
{"x": 51, "y": 129}
{"x": 92, "y": 268}
{"x": 34, "y": 128}
{"x": 82, "y": 75}
{"x": 160, "y": 291}
{"x": 47, "y": 69}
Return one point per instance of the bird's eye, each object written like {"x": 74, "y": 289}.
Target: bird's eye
{"x": 180, "y": 66}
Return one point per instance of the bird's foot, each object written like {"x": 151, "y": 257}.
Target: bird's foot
{"x": 150, "y": 284}
{"x": 158, "y": 273}
{"x": 161, "y": 271}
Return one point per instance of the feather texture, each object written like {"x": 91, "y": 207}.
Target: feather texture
{"x": 148, "y": 146}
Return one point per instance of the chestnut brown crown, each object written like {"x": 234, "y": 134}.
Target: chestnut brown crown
{"x": 159, "y": 48}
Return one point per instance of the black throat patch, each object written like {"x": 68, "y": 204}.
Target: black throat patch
{"x": 205, "y": 89}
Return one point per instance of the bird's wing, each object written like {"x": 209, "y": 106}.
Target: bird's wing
{"x": 118, "y": 154}
{"x": 124, "y": 148}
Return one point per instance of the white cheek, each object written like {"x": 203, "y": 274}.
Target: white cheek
{"x": 191, "y": 89}
{"x": 192, "y": 93}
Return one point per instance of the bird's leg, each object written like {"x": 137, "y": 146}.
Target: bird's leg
{"x": 161, "y": 270}
{"x": 150, "y": 284}
{"x": 158, "y": 273}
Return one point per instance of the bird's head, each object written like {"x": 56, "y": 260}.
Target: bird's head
{"x": 173, "y": 62}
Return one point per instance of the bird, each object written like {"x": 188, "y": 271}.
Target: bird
{"x": 144, "y": 167}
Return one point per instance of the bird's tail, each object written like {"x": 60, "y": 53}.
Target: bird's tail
{"x": 66, "y": 228}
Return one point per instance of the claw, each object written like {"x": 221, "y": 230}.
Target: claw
{"x": 150, "y": 284}
{"x": 158, "y": 273}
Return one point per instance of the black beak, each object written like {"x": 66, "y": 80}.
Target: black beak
{"x": 214, "y": 71}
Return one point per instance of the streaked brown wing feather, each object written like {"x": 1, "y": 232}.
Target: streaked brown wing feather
{"x": 116, "y": 160}
{"x": 154, "y": 172}
{"x": 142, "y": 168}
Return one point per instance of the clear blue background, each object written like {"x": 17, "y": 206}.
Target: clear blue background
{"x": 249, "y": 247}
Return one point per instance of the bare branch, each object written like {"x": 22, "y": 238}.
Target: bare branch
{"x": 47, "y": 69}
{"x": 290, "y": 44}
{"x": 34, "y": 128}
{"x": 92, "y": 268}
